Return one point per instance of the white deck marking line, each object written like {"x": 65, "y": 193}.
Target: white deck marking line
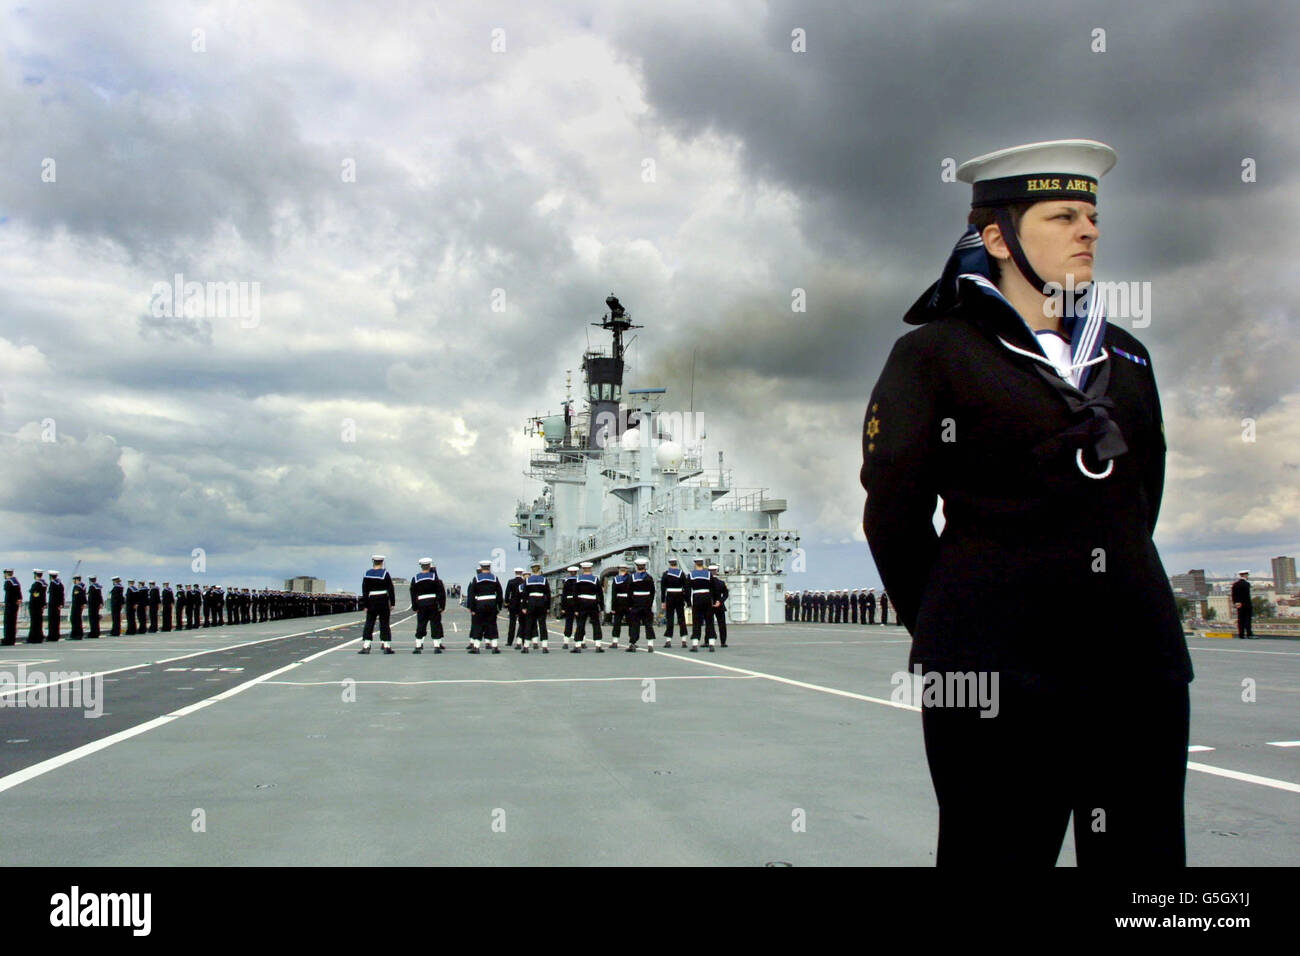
{"x": 1242, "y": 650}
{"x": 1284, "y": 743}
{"x": 855, "y": 643}
{"x": 1245, "y": 777}
{"x": 1203, "y": 768}
{"x": 85, "y": 750}
{"x": 1198, "y": 748}
{"x": 169, "y": 660}
{"x": 794, "y": 683}
{"x": 522, "y": 680}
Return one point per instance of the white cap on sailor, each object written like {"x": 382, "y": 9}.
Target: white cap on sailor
{"x": 426, "y": 562}
{"x": 713, "y": 567}
{"x": 587, "y": 564}
{"x": 672, "y": 560}
{"x": 377, "y": 557}
{"x": 485, "y": 564}
{"x": 699, "y": 560}
{"x": 37, "y": 571}
{"x": 571, "y": 568}
{"x": 54, "y": 574}
{"x": 641, "y": 562}
{"x": 519, "y": 570}
{"x": 1056, "y": 169}
{"x": 1247, "y": 571}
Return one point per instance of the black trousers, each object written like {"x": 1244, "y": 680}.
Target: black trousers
{"x": 638, "y": 617}
{"x": 55, "y": 622}
{"x": 871, "y": 615}
{"x": 141, "y": 625}
{"x": 11, "y": 624}
{"x": 591, "y": 614}
{"x": 534, "y": 625}
{"x": 167, "y": 617}
{"x": 1115, "y": 758}
{"x": 115, "y": 612}
{"x": 75, "y": 630}
{"x": 720, "y": 615}
{"x": 568, "y": 622}
{"x": 884, "y": 614}
{"x": 620, "y": 615}
{"x": 483, "y": 625}
{"x": 35, "y": 623}
{"x": 378, "y": 610}
{"x": 515, "y": 625}
{"x": 93, "y": 617}
{"x": 1244, "y": 614}
{"x": 702, "y": 614}
{"x": 430, "y": 618}
{"x": 675, "y": 607}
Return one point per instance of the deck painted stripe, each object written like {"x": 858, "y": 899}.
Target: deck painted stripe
{"x": 1246, "y": 777}
{"x": 522, "y": 680}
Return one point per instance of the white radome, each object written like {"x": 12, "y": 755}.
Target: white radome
{"x": 631, "y": 439}
{"x": 669, "y": 456}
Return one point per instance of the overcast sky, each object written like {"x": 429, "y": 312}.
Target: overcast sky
{"x": 217, "y": 141}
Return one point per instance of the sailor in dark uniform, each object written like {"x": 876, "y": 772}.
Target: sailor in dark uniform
{"x": 94, "y": 605}
{"x": 428, "y": 601}
{"x": 589, "y": 600}
{"x": 116, "y": 604}
{"x": 672, "y": 589}
{"x": 702, "y": 598}
{"x": 1241, "y": 603}
{"x": 54, "y": 600}
{"x": 168, "y": 603}
{"x": 641, "y": 606}
{"x": 485, "y": 600}
{"x": 155, "y": 602}
{"x": 379, "y": 597}
{"x": 537, "y": 602}
{"x": 514, "y": 596}
{"x": 142, "y": 604}
{"x": 871, "y": 607}
{"x": 36, "y": 608}
{"x": 567, "y": 603}
{"x": 13, "y": 600}
{"x": 75, "y": 630}
{"x": 620, "y": 596}
{"x": 1038, "y": 425}
{"x": 720, "y": 595}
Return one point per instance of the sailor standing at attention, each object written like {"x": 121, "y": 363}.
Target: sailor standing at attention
{"x": 672, "y": 586}
{"x": 514, "y": 605}
{"x": 428, "y": 600}
{"x": 75, "y": 629}
{"x": 1241, "y": 603}
{"x": 36, "y": 608}
{"x": 54, "y": 600}
{"x": 537, "y": 602}
{"x": 379, "y": 597}
{"x": 94, "y": 605}
{"x": 168, "y": 604}
{"x": 641, "y": 610}
{"x": 620, "y": 595}
{"x": 1038, "y": 424}
{"x": 702, "y": 598}
{"x": 484, "y": 599}
{"x": 720, "y": 595}
{"x": 116, "y": 601}
{"x": 568, "y": 603}
{"x": 13, "y": 598}
{"x": 590, "y": 602}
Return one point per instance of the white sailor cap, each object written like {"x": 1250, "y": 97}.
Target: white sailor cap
{"x": 641, "y": 562}
{"x": 699, "y": 560}
{"x": 623, "y": 564}
{"x": 713, "y": 567}
{"x": 485, "y": 564}
{"x": 571, "y": 568}
{"x": 535, "y": 564}
{"x": 54, "y": 574}
{"x": 1034, "y": 172}
{"x": 587, "y": 564}
{"x": 116, "y": 578}
{"x": 519, "y": 570}
{"x": 377, "y": 557}
{"x": 1247, "y": 571}
{"x": 672, "y": 560}
{"x": 37, "y": 571}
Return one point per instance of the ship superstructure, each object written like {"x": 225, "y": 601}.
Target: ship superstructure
{"x": 625, "y": 478}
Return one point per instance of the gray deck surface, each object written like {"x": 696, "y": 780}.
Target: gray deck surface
{"x": 551, "y": 760}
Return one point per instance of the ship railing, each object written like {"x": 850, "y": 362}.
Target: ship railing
{"x": 752, "y": 500}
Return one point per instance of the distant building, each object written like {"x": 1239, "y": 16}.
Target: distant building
{"x": 1191, "y": 585}
{"x": 305, "y": 585}
{"x": 1284, "y": 578}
